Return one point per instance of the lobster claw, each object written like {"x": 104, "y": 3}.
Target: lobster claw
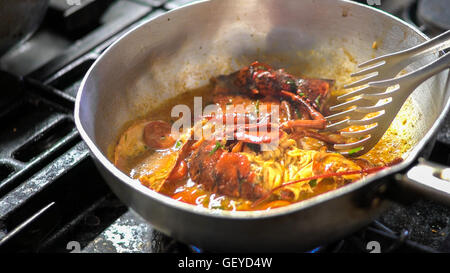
{"x": 316, "y": 90}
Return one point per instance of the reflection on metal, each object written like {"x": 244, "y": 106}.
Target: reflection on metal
{"x": 374, "y": 2}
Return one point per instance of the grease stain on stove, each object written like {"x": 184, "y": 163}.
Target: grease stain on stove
{"x": 125, "y": 235}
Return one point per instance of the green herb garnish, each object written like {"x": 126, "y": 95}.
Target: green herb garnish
{"x": 178, "y": 144}
{"x": 217, "y": 147}
{"x": 302, "y": 94}
{"x": 317, "y": 101}
{"x": 292, "y": 84}
{"x": 313, "y": 183}
{"x": 355, "y": 150}
{"x": 299, "y": 115}
{"x": 257, "y": 107}
{"x": 254, "y": 147}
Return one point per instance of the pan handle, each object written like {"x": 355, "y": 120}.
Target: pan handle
{"x": 429, "y": 179}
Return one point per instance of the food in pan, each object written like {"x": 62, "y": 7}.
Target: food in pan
{"x": 264, "y": 148}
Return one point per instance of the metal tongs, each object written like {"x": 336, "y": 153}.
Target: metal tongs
{"x": 383, "y": 94}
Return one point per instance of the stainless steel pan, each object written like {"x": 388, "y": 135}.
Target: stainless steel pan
{"x": 185, "y": 47}
{"x": 19, "y": 19}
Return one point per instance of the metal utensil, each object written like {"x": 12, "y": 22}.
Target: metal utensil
{"x": 385, "y": 96}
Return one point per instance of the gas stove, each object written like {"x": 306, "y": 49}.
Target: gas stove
{"x": 52, "y": 198}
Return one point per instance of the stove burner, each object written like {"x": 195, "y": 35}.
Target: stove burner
{"x": 428, "y": 16}
{"x": 71, "y": 19}
{"x": 434, "y": 13}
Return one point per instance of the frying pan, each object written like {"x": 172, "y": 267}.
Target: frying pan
{"x": 182, "y": 49}
{"x": 19, "y": 19}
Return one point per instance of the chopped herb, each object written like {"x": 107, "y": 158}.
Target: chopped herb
{"x": 254, "y": 147}
{"x": 257, "y": 107}
{"x": 217, "y": 147}
{"x": 302, "y": 94}
{"x": 292, "y": 84}
{"x": 355, "y": 150}
{"x": 313, "y": 183}
{"x": 317, "y": 101}
{"x": 299, "y": 115}
{"x": 178, "y": 144}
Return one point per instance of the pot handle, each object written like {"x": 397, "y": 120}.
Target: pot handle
{"x": 429, "y": 179}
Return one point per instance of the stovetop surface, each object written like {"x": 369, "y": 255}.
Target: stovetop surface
{"x": 52, "y": 199}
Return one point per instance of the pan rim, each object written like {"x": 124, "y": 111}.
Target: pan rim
{"x": 241, "y": 215}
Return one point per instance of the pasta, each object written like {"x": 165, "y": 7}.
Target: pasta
{"x": 271, "y": 159}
